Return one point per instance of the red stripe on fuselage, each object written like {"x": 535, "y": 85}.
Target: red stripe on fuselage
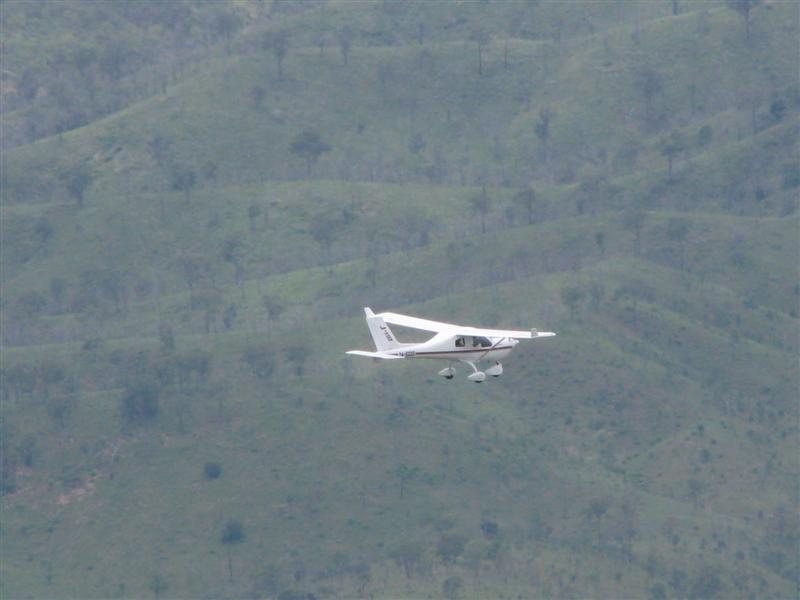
{"x": 482, "y": 350}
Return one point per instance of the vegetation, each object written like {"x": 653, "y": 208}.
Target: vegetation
{"x": 198, "y": 199}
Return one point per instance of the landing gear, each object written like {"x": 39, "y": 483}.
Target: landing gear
{"x": 495, "y": 370}
{"x": 477, "y": 376}
{"x": 448, "y": 372}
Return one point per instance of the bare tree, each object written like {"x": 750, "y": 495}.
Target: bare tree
{"x": 345, "y": 39}
{"x": 649, "y": 83}
{"x": 481, "y": 37}
{"x": 542, "y": 129}
{"x": 526, "y": 199}
{"x": 183, "y": 178}
{"x": 479, "y": 203}
{"x": 78, "y": 179}
{"x": 633, "y": 220}
{"x": 743, "y": 7}
{"x": 278, "y": 43}
{"x": 677, "y": 232}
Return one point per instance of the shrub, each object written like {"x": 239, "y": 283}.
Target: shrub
{"x": 233, "y": 532}
{"x": 140, "y": 402}
{"x": 212, "y": 470}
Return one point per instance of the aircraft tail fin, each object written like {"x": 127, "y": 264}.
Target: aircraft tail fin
{"x": 381, "y": 334}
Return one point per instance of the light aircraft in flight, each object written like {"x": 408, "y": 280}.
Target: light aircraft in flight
{"x": 469, "y": 345}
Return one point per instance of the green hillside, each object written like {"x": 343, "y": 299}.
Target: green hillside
{"x": 186, "y": 258}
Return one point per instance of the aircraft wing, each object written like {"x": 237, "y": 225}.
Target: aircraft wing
{"x": 502, "y": 333}
{"x": 416, "y": 323}
{"x": 382, "y": 355}
{"x": 440, "y": 327}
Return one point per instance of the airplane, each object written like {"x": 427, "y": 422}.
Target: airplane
{"x": 469, "y": 345}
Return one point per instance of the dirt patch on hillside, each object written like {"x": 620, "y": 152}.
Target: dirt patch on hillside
{"x": 78, "y": 493}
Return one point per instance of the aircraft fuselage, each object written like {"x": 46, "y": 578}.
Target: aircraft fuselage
{"x": 462, "y": 348}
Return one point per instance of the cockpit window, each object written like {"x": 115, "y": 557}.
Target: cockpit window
{"x": 481, "y": 341}
{"x": 460, "y": 343}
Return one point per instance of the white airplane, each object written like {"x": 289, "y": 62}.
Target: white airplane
{"x": 469, "y": 345}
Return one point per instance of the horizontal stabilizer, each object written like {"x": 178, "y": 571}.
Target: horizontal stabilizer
{"x": 382, "y": 355}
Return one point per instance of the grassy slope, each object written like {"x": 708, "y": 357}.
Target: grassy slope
{"x": 611, "y": 409}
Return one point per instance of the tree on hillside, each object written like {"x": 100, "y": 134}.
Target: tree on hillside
{"x": 322, "y": 42}
{"x": 526, "y": 199}
{"x": 58, "y": 292}
{"x": 743, "y": 7}
{"x": 8, "y": 466}
{"x": 678, "y": 231}
{"x": 572, "y": 296}
{"x": 345, "y": 39}
{"x": 210, "y": 170}
{"x": 183, "y": 179}
{"x": 649, "y": 83}
{"x": 633, "y": 220}
{"x": 600, "y": 241}
{"x": 158, "y": 585}
{"x": 78, "y": 179}
{"x": 253, "y": 212}
{"x": 210, "y": 301}
{"x": 706, "y": 582}
{"x": 405, "y": 474}
{"x": 260, "y": 359}
{"x": 30, "y": 305}
{"x": 704, "y": 136}
{"x": 542, "y": 129}
{"x": 481, "y": 37}
{"x": 414, "y": 228}
{"x": 232, "y": 252}
{"x": 225, "y": 24}
{"x": 297, "y": 355}
{"x": 386, "y": 73}
{"x": 273, "y": 306}
{"x": 479, "y": 204}
{"x": 62, "y": 403}
{"x": 695, "y": 488}
{"x": 232, "y": 534}
{"x": 278, "y": 43}
{"x": 450, "y": 547}
{"x": 588, "y": 194}
{"x": 140, "y": 402}
{"x": 158, "y": 146}
{"x": 409, "y": 555}
{"x": 309, "y": 146}
{"x": 451, "y": 587}
{"x": 194, "y": 267}
{"x": 670, "y": 148}
{"x": 258, "y": 93}
{"x": 322, "y": 227}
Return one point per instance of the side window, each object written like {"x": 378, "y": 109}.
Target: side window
{"x": 460, "y": 343}
{"x": 482, "y": 342}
